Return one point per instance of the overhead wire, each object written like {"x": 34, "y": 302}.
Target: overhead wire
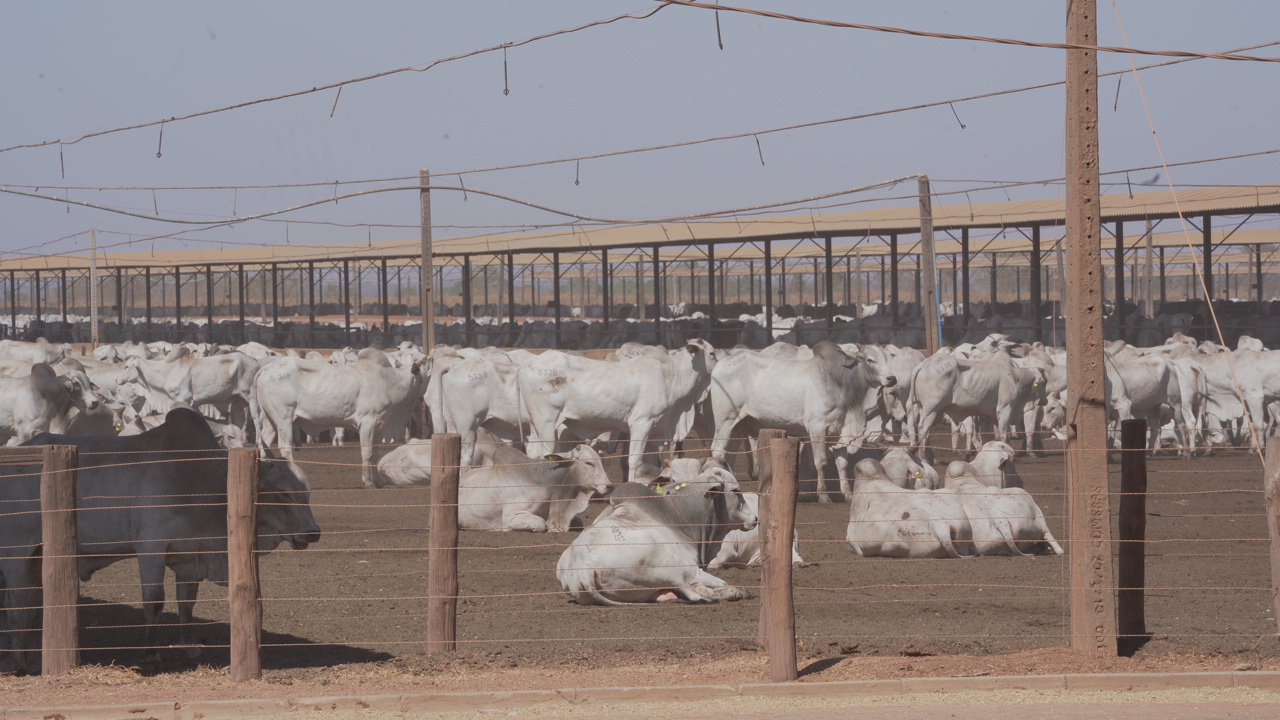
{"x": 339, "y": 84}
{"x": 1125, "y": 50}
{"x": 653, "y": 148}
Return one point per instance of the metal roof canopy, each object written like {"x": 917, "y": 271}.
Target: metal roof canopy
{"x": 867, "y": 228}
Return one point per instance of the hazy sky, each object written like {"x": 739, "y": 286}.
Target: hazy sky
{"x": 68, "y": 69}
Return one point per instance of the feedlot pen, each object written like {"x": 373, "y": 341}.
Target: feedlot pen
{"x": 359, "y": 595}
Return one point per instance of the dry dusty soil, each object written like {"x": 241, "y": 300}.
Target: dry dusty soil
{"x": 351, "y": 610}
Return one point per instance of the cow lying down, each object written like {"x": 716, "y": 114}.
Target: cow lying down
{"x": 517, "y": 492}
{"x": 739, "y": 547}
{"x": 651, "y": 546}
{"x": 510, "y": 490}
{"x": 891, "y": 521}
{"x": 742, "y": 547}
{"x": 1005, "y": 521}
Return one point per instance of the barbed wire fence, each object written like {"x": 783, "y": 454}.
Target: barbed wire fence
{"x": 366, "y": 592}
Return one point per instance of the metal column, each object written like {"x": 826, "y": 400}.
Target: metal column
{"x": 1036, "y": 299}
{"x": 384, "y": 285}
{"x": 831, "y": 305}
{"x": 711, "y": 286}
{"x": 768, "y": 291}
{"x": 1119, "y": 258}
{"x": 606, "y": 297}
{"x": 1207, "y": 243}
{"x": 120, "y": 300}
{"x": 511, "y": 287}
{"x": 893, "y": 279}
{"x": 148, "y": 281}
{"x": 467, "y": 327}
{"x": 275, "y": 297}
{"x": 240, "y": 277}
{"x": 657, "y": 297}
{"x": 311, "y": 301}
{"x": 345, "y": 298}
{"x": 964, "y": 269}
{"x": 177, "y": 302}
{"x": 555, "y": 293}
{"x": 208, "y": 288}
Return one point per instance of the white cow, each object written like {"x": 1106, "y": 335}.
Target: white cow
{"x": 652, "y": 395}
{"x": 41, "y": 402}
{"x": 823, "y": 396}
{"x": 992, "y": 388}
{"x": 368, "y": 396}
{"x": 890, "y": 521}
{"x": 517, "y": 492}
{"x": 742, "y": 547}
{"x": 651, "y": 547}
{"x": 225, "y": 381}
{"x": 482, "y": 391}
{"x": 993, "y": 466}
{"x": 907, "y": 471}
{"x": 40, "y": 351}
{"x": 1004, "y": 521}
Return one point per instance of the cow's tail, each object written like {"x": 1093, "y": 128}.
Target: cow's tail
{"x": 260, "y": 424}
{"x": 1043, "y": 527}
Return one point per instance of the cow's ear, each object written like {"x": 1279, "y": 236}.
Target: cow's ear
{"x": 554, "y": 458}
{"x": 717, "y": 488}
{"x": 692, "y": 348}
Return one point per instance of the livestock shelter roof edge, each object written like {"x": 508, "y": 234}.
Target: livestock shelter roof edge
{"x": 870, "y": 223}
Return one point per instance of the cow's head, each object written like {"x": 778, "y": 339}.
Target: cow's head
{"x": 721, "y": 488}
{"x": 132, "y": 372}
{"x": 82, "y": 390}
{"x": 284, "y": 507}
{"x": 587, "y": 469}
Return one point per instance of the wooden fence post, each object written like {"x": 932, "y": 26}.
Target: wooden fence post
{"x": 780, "y": 610}
{"x": 242, "y": 564}
{"x": 1272, "y": 488}
{"x": 442, "y": 571}
{"x": 1131, "y": 618}
{"x": 763, "y": 460}
{"x": 60, "y": 575}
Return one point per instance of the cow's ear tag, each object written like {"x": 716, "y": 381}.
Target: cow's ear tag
{"x": 553, "y": 458}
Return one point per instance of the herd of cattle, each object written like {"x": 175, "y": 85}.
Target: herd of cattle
{"x": 533, "y": 426}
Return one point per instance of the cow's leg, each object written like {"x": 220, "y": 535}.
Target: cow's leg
{"x": 1031, "y": 427}
{"x": 821, "y": 459}
{"x": 704, "y": 587}
{"x": 636, "y": 447}
{"x": 368, "y": 454}
{"x": 525, "y": 521}
{"x": 151, "y": 571}
{"x": 724, "y": 427}
{"x": 923, "y": 450}
{"x": 187, "y": 586}
{"x": 21, "y": 593}
{"x": 284, "y": 435}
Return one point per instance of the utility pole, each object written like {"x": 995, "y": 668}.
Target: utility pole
{"x": 929, "y": 303}
{"x": 428, "y": 265}
{"x": 1093, "y": 612}
{"x": 93, "y": 287}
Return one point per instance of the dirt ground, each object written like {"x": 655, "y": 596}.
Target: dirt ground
{"x": 351, "y": 610}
